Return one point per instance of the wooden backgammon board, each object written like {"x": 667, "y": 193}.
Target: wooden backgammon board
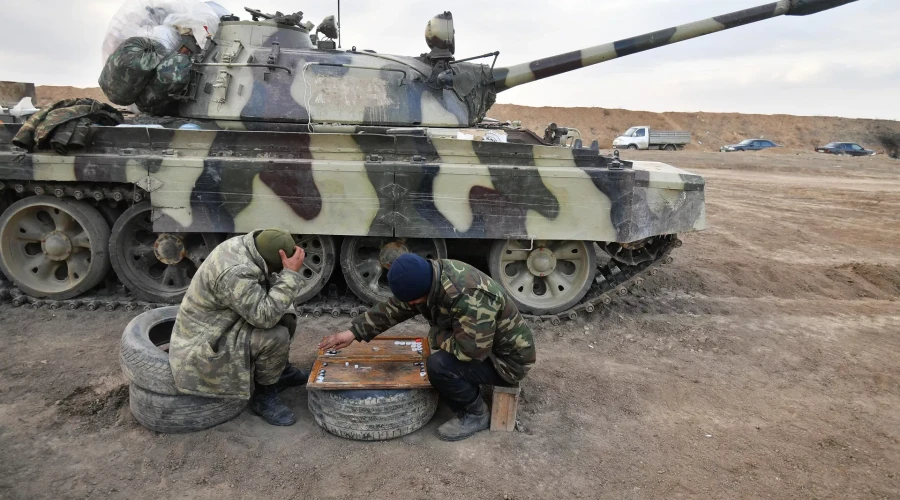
{"x": 383, "y": 363}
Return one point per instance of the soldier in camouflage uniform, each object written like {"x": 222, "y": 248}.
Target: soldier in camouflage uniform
{"x": 477, "y": 334}
{"x": 235, "y": 324}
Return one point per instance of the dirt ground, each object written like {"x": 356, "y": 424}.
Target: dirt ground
{"x": 763, "y": 363}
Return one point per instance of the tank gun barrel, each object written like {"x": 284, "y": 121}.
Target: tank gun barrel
{"x": 508, "y": 77}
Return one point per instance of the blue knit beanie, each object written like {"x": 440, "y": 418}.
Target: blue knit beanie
{"x": 410, "y": 277}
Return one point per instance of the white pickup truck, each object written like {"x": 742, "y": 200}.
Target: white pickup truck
{"x": 647, "y": 138}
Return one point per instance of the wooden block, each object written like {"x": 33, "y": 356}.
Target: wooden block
{"x": 504, "y": 405}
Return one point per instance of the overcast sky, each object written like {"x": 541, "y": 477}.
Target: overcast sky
{"x": 844, "y": 62}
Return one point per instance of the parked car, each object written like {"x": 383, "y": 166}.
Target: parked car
{"x": 749, "y": 145}
{"x": 845, "y": 148}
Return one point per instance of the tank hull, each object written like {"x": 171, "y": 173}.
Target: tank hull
{"x": 377, "y": 185}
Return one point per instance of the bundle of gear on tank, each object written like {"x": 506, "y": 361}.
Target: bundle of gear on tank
{"x": 162, "y": 21}
{"x": 152, "y": 71}
{"x": 129, "y": 69}
{"x": 64, "y": 125}
{"x": 170, "y": 78}
{"x": 140, "y": 72}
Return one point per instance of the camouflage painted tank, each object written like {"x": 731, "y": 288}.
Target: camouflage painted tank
{"x": 363, "y": 156}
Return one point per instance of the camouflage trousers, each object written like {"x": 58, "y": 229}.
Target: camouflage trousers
{"x": 269, "y": 350}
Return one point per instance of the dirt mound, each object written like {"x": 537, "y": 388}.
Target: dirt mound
{"x": 96, "y": 407}
{"x": 13, "y": 92}
{"x": 711, "y": 130}
{"x": 48, "y": 94}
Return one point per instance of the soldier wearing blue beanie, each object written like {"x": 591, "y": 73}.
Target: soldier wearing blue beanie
{"x": 409, "y": 277}
{"x": 477, "y": 335}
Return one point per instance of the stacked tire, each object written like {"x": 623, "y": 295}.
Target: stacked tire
{"x": 154, "y": 400}
{"x": 365, "y": 415}
{"x": 373, "y": 415}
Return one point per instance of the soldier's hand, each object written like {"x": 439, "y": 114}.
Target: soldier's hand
{"x": 295, "y": 262}
{"x": 338, "y": 340}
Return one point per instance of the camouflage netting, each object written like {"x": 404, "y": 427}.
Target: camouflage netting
{"x": 130, "y": 68}
{"x": 171, "y": 77}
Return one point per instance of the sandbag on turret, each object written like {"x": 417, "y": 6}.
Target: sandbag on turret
{"x": 130, "y": 68}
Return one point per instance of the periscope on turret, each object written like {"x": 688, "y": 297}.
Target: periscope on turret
{"x": 363, "y": 156}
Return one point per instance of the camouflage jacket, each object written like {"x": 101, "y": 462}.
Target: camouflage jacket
{"x": 229, "y": 297}
{"x": 64, "y": 125}
{"x": 470, "y": 315}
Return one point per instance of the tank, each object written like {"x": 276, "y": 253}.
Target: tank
{"x": 363, "y": 156}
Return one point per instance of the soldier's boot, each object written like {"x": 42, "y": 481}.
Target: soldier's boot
{"x": 266, "y": 403}
{"x": 475, "y": 417}
{"x": 292, "y": 377}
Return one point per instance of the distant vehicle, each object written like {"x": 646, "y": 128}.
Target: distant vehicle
{"x": 646, "y": 138}
{"x": 845, "y": 148}
{"x": 749, "y": 145}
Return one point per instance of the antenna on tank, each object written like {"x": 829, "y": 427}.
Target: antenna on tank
{"x": 339, "y": 23}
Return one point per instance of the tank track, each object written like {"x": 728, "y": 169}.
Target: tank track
{"x": 613, "y": 279}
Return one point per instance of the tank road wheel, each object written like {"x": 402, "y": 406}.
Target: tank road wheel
{"x": 366, "y": 259}
{"x": 321, "y": 256}
{"x": 549, "y": 278}
{"x": 156, "y": 267}
{"x": 52, "y": 247}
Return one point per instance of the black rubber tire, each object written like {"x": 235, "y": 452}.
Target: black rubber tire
{"x": 143, "y": 363}
{"x": 375, "y": 415}
{"x": 183, "y": 413}
{"x": 89, "y": 218}
{"x": 670, "y": 147}
{"x": 632, "y": 147}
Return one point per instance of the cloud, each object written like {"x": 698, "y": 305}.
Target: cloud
{"x": 841, "y": 62}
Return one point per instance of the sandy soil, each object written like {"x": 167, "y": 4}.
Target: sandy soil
{"x": 763, "y": 363}
{"x": 48, "y": 94}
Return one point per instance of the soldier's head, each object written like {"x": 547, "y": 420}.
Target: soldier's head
{"x": 410, "y": 278}
{"x": 269, "y": 242}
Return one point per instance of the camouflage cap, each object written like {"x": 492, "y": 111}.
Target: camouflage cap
{"x": 269, "y": 242}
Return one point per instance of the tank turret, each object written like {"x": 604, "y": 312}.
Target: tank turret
{"x": 272, "y": 69}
